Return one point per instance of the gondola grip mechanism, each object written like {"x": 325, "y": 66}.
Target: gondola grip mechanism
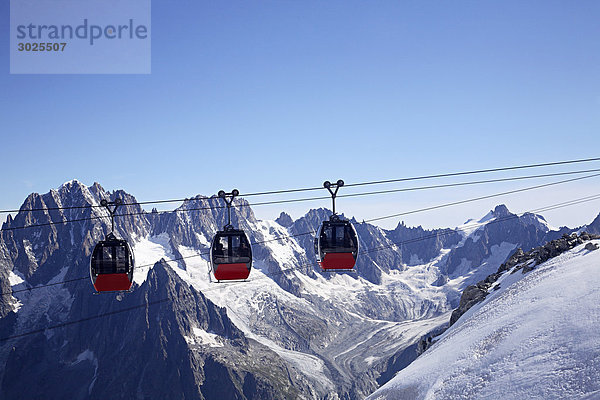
{"x": 107, "y": 204}
{"x": 327, "y": 185}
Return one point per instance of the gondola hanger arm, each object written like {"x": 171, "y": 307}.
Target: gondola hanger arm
{"x": 228, "y": 197}
{"x": 328, "y": 185}
{"x": 114, "y": 204}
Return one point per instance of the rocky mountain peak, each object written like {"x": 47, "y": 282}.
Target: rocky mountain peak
{"x": 284, "y": 220}
{"x": 501, "y": 211}
{"x": 501, "y": 233}
{"x": 71, "y": 183}
{"x": 314, "y": 324}
{"x": 594, "y": 227}
{"x": 188, "y": 303}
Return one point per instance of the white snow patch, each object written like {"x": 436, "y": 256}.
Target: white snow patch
{"x": 16, "y": 281}
{"x": 190, "y": 255}
{"x": 535, "y": 337}
{"x": 46, "y": 300}
{"x": 204, "y": 338}
{"x": 202, "y": 239}
{"x": 69, "y": 183}
{"x": 548, "y": 225}
{"x": 469, "y": 228}
{"x": 370, "y": 360}
{"x": 29, "y": 251}
{"x": 284, "y": 251}
{"x": 147, "y": 252}
{"x": 17, "y": 304}
{"x": 15, "y": 278}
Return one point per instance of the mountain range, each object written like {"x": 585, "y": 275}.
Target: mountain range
{"x": 290, "y": 331}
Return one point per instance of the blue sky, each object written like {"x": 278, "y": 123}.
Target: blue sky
{"x": 284, "y": 94}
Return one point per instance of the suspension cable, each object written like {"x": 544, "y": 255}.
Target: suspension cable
{"x": 374, "y": 182}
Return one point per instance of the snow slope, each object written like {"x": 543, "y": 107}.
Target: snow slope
{"x": 535, "y": 338}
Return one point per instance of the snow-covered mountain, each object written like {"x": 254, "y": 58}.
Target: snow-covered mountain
{"x": 534, "y": 337}
{"x": 290, "y": 332}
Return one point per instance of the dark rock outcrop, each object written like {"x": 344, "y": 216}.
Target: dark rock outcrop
{"x": 284, "y": 220}
{"x": 77, "y": 345}
{"x": 140, "y": 342}
{"x": 520, "y": 260}
{"x": 83, "y": 346}
{"x": 472, "y": 295}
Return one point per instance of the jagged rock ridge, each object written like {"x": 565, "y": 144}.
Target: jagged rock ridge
{"x": 330, "y": 334}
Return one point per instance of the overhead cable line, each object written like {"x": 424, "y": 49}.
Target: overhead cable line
{"x": 376, "y": 182}
{"x": 312, "y": 232}
{"x": 448, "y": 185}
{"x": 444, "y": 175}
{"x": 448, "y": 231}
{"x": 412, "y": 212}
{"x": 373, "y": 219}
{"x": 481, "y": 171}
{"x": 314, "y": 198}
{"x": 150, "y": 265}
{"x": 481, "y": 198}
{"x": 294, "y": 268}
{"x": 91, "y": 317}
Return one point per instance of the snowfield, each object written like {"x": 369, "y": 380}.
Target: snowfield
{"x": 362, "y": 342}
{"x": 147, "y": 252}
{"x": 254, "y": 305}
{"x": 534, "y": 338}
{"x": 341, "y": 335}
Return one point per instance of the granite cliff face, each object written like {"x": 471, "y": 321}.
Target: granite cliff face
{"x": 290, "y": 332}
